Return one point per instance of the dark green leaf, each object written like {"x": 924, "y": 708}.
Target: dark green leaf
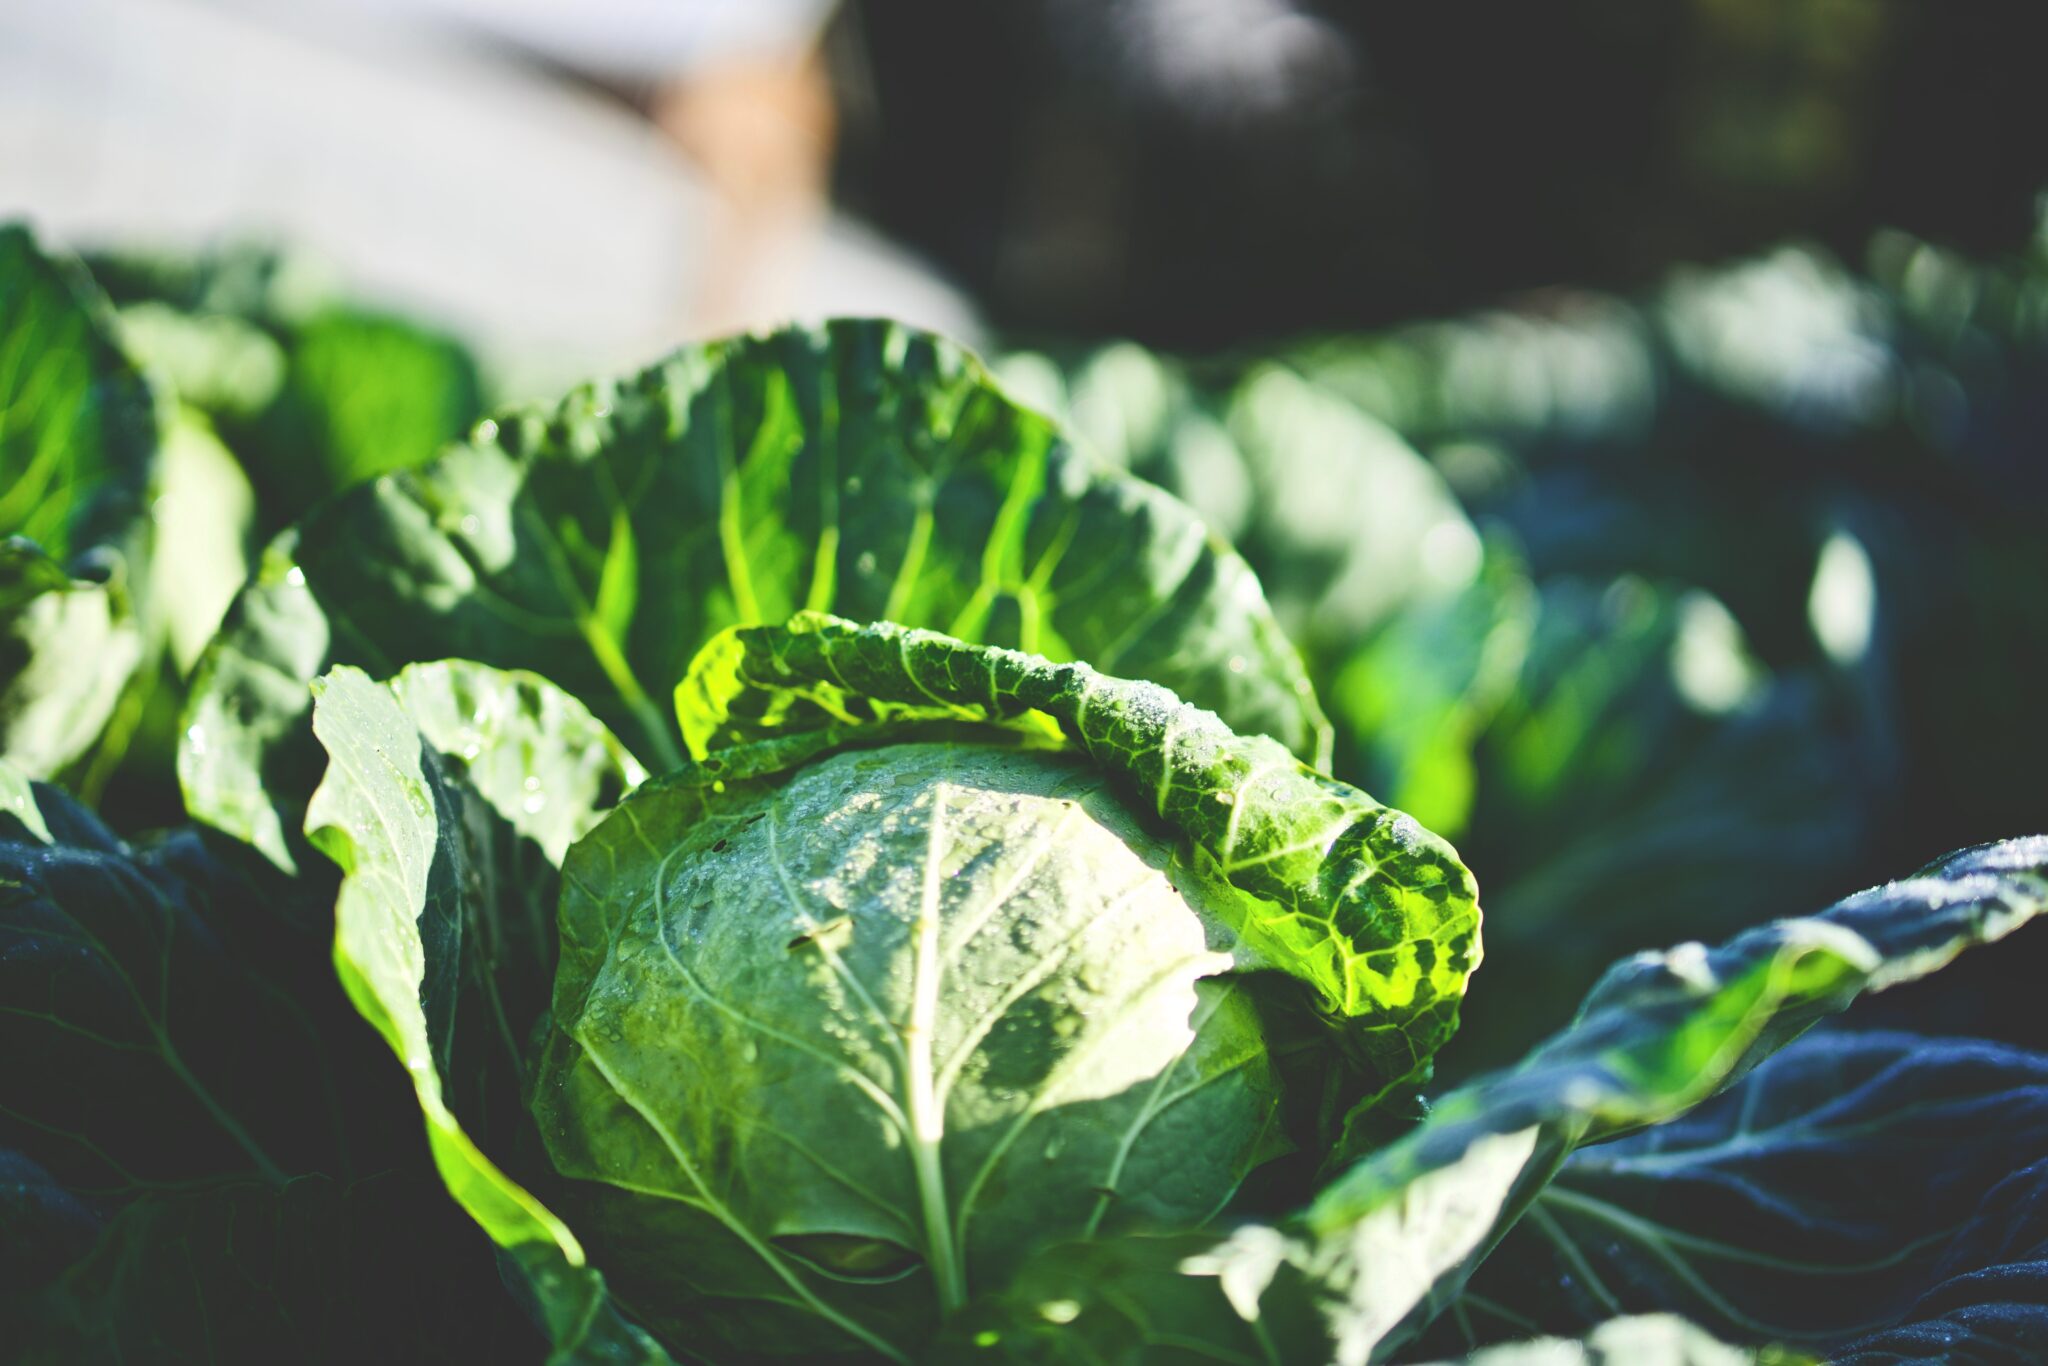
{"x": 1640, "y": 778}
{"x": 123, "y": 1059}
{"x": 312, "y": 392}
{"x": 363, "y": 394}
{"x": 1989, "y": 1303}
{"x": 315, "y": 1270}
{"x": 188, "y": 1108}
{"x": 77, "y": 425}
{"x": 1754, "y": 1215}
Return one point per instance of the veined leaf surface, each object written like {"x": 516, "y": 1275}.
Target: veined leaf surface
{"x": 1392, "y": 1242}
{"x": 859, "y": 467}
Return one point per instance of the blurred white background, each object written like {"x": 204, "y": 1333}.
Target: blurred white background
{"x": 573, "y": 187}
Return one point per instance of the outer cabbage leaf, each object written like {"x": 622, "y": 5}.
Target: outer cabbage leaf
{"x": 188, "y": 1114}
{"x": 859, "y": 467}
{"x": 1413, "y": 700}
{"x": 1371, "y": 912}
{"x": 365, "y": 394}
{"x": 220, "y": 364}
{"x": 314, "y": 1270}
{"x": 1812, "y": 1202}
{"x": 43, "y": 1226}
{"x": 77, "y": 458}
{"x": 1388, "y": 1244}
{"x": 1352, "y": 523}
{"x": 116, "y": 1072}
{"x": 1581, "y": 371}
{"x": 1344, "y": 520}
{"x": 18, "y": 804}
{"x": 241, "y": 279}
{"x": 78, "y": 440}
{"x": 535, "y": 754}
{"x": 441, "y": 938}
{"x": 1989, "y": 1303}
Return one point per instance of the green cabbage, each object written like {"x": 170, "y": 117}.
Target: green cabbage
{"x": 865, "y": 1040}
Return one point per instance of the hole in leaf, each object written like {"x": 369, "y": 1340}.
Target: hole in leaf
{"x": 834, "y": 934}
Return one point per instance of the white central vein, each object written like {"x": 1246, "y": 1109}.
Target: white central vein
{"x": 927, "y": 1116}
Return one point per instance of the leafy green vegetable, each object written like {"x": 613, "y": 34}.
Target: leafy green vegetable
{"x": 127, "y": 519}
{"x": 970, "y": 995}
{"x": 68, "y": 648}
{"x": 364, "y": 394}
{"x": 1751, "y": 1216}
{"x": 1991, "y": 1288}
{"x": 203, "y": 518}
{"x": 861, "y": 467}
{"x": 1664, "y": 1031}
{"x": 1637, "y": 774}
{"x": 1532, "y": 667}
{"x": 216, "y": 362}
{"x": 1392, "y": 1242}
{"x": 1088, "y": 898}
{"x": 315, "y": 1270}
{"x": 1344, "y": 520}
{"x": 434, "y": 935}
{"x": 860, "y": 1041}
{"x": 78, "y": 448}
{"x": 313, "y": 391}
{"x": 198, "y": 1162}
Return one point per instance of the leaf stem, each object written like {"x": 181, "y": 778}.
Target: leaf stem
{"x": 927, "y": 1116}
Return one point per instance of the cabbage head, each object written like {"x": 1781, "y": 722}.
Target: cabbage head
{"x": 880, "y": 997}
{"x": 894, "y": 1024}
{"x": 957, "y": 1004}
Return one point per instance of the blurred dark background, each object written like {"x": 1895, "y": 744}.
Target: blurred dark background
{"x": 1200, "y": 173}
